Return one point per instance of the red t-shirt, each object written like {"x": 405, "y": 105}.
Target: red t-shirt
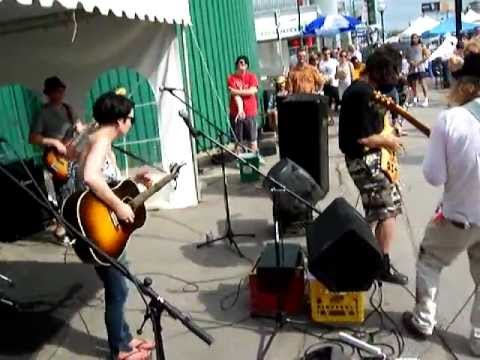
{"x": 243, "y": 82}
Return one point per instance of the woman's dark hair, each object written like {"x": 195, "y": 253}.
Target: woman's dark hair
{"x": 110, "y": 107}
{"x": 383, "y": 65}
{"x": 418, "y": 37}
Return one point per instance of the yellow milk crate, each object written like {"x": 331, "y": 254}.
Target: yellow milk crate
{"x": 333, "y": 307}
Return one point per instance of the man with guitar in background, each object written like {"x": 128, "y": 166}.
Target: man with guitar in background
{"x": 55, "y": 125}
{"x": 361, "y": 138}
{"x": 98, "y": 171}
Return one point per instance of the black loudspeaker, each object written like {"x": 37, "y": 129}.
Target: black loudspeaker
{"x": 22, "y": 215}
{"x": 343, "y": 253}
{"x": 303, "y": 134}
{"x": 299, "y": 181}
{"x": 276, "y": 277}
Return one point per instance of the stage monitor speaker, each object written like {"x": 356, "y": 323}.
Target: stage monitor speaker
{"x": 275, "y": 276}
{"x": 343, "y": 253}
{"x": 23, "y": 216}
{"x": 289, "y": 174}
{"x": 303, "y": 134}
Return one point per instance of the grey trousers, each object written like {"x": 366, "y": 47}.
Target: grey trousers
{"x": 441, "y": 245}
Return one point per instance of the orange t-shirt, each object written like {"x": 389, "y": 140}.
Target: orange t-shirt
{"x": 306, "y": 79}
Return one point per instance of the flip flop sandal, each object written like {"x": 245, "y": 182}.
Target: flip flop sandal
{"x": 135, "y": 354}
{"x": 142, "y": 344}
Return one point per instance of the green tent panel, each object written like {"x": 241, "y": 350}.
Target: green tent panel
{"x": 18, "y": 107}
{"x": 143, "y": 139}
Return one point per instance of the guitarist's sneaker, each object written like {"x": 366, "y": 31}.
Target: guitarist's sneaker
{"x": 390, "y": 274}
{"x": 59, "y": 232}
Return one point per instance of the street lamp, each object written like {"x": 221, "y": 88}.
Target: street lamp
{"x": 381, "y": 8}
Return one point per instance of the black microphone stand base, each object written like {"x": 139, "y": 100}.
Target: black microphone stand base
{"x": 230, "y": 236}
{"x": 281, "y": 320}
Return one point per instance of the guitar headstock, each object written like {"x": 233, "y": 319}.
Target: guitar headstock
{"x": 175, "y": 169}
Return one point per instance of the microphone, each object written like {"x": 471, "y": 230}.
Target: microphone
{"x": 169, "y": 88}
{"x": 184, "y": 115}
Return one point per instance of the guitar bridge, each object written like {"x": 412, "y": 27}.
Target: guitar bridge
{"x": 114, "y": 218}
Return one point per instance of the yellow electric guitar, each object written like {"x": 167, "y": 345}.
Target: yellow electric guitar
{"x": 95, "y": 220}
{"x": 389, "y": 159}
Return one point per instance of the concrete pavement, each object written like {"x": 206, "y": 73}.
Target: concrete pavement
{"x": 198, "y": 280}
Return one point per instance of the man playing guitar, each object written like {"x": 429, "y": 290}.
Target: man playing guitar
{"x": 54, "y": 126}
{"x": 361, "y": 124}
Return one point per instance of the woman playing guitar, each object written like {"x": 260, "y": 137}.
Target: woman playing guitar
{"x": 98, "y": 171}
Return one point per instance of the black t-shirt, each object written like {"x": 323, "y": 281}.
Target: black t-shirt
{"x": 359, "y": 118}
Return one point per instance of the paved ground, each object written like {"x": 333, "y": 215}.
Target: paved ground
{"x": 197, "y": 280}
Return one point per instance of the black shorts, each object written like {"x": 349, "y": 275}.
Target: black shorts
{"x": 416, "y": 76}
{"x": 245, "y": 129}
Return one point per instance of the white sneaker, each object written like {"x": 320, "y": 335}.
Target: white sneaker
{"x": 425, "y": 103}
{"x": 261, "y": 160}
{"x": 474, "y": 342}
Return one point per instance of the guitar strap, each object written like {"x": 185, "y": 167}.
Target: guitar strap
{"x": 474, "y": 108}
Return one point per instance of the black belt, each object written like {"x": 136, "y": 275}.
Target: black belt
{"x": 460, "y": 225}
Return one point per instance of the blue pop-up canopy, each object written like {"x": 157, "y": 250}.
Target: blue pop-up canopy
{"x": 448, "y": 26}
{"x": 331, "y": 25}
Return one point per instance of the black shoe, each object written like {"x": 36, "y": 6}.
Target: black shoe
{"x": 392, "y": 275}
{"x": 407, "y": 320}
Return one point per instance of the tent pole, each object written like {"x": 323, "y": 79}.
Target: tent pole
{"x": 458, "y": 18}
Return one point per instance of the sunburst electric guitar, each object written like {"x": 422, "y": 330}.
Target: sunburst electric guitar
{"x": 95, "y": 220}
{"x": 388, "y": 158}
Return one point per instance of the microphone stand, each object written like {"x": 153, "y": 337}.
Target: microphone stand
{"x": 156, "y": 305}
{"x": 196, "y": 132}
{"x": 229, "y": 234}
{"x": 276, "y": 188}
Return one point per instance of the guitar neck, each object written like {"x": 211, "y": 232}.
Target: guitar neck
{"x": 140, "y": 199}
{"x": 390, "y": 105}
{"x": 424, "y": 129}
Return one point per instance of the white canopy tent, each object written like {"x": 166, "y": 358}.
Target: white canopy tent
{"x": 445, "y": 50}
{"x": 38, "y": 40}
{"x": 471, "y": 17}
{"x": 418, "y": 26}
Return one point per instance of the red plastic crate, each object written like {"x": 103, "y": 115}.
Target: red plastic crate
{"x": 263, "y": 302}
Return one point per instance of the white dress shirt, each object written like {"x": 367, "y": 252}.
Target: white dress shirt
{"x": 453, "y": 160}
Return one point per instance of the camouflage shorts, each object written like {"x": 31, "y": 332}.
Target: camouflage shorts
{"x": 381, "y": 199}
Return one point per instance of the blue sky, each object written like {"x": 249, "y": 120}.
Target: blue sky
{"x": 398, "y": 13}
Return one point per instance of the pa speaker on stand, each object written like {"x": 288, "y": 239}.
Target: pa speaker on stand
{"x": 298, "y": 180}
{"x": 303, "y": 134}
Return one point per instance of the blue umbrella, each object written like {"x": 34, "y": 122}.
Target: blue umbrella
{"x": 331, "y": 25}
{"x": 448, "y": 26}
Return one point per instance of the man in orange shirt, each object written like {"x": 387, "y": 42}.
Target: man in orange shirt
{"x": 304, "y": 78}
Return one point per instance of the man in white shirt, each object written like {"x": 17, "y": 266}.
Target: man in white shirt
{"x": 452, "y": 161}
{"x": 328, "y": 67}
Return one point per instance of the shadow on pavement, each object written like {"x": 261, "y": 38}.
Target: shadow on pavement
{"x": 221, "y": 253}
{"x": 48, "y": 295}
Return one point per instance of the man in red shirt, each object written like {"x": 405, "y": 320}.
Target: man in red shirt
{"x": 243, "y": 87}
